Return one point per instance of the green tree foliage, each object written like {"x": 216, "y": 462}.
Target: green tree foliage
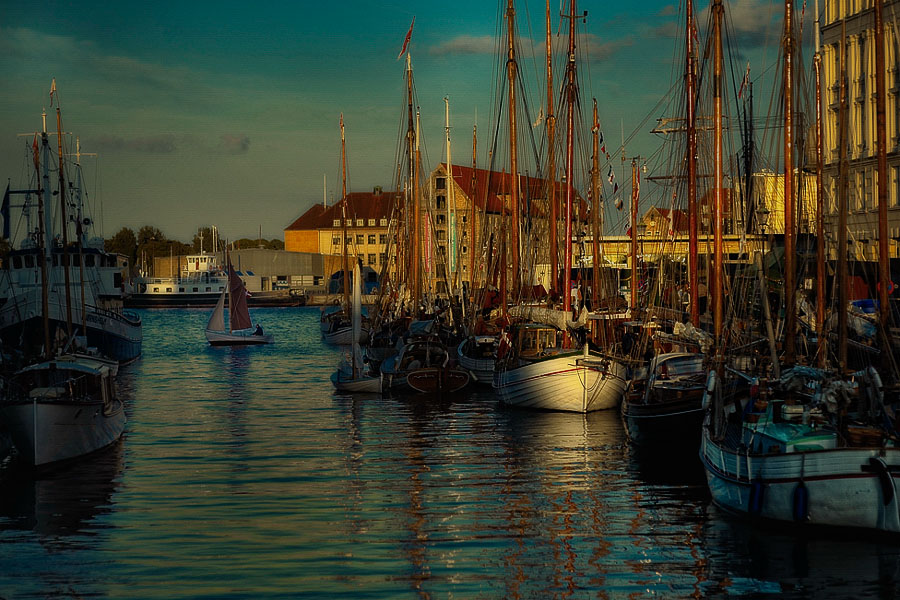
{"x": 247, "y": 243}
{"x": 125, "y": 243}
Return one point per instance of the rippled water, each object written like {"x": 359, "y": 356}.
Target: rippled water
{"x": 243, "y": 475}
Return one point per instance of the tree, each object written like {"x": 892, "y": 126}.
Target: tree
{"x": 148, "y": 234}
{"x": 124, "y": 243}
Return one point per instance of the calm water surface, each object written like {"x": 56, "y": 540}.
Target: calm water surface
{"x": 243, "y": 475}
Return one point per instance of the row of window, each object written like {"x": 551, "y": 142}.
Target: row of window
{"x": 362, "y": 222}
{"x": 90, "y": 260}
{"x": 360, "y": 239}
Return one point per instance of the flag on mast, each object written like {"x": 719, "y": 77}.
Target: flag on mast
{"x": 406, "y": 41}
{"x": 52, "y": 90}
{"x": 745, "y": 81}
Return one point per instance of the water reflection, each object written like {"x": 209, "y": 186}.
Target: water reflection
{"x": 66, "y": 502}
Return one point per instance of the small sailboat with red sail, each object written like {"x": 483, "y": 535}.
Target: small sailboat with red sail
{"x": 240, "y": 330}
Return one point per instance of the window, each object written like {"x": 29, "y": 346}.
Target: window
{"x": 440, "y": 183}
{"x": 440, "y": 203}
{"x": 465, "y": 249}
{"x": 349, "y": 222}
{"x": 208, "y": 289}
{"x": 17, "y": 262}
{"x": 29, "y": 261}
{"x": 360, "y": 239}
{"x": 383, "y": 222}
{"x": 181, "y": 289}
{"x": 359, "y": 222}
{"x": 347, "y": 240}
{"x": 156, "y": 289}
{"x": 441, "y": 219}
{"x": 168, "y": 289}
{"x": 382, "y": 238}
{"x": 371, "y": 260}
{"x": 440, "y": 234}
{"x": 336, "y": 223}
{"x": 464, "y": 218}
{"x": 336, "y": 240}
{"x": 89, "y": 260}
{"x": 196, "y": 290}
{"x": 371, "y": 238}
{"x": 371, "y": 222}
{"x": 894, "y": 193}
{"x": 382, "y": 257}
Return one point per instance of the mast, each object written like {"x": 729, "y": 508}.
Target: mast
{"x": 570, "y": 166}
{"x": 843, "y": 201}
{"x": 551, "y": 167}
{"x": 884, "y": 260}
{"x": 693, "y": 238}
{"x": 42, "y": 232}
{"x": 511, "y": 72}
{"x": 412, "y": 152}
{"x": 451, "y": 226}
{"x": 64, "y": 221}
{"x": 472, "y": 191}
{"x": 344, "y": 260}
{"x": 821, "y": 350}
{"x": 719, "y": 153}
{"x": 79, "y": 230}
{"x": 789, "y": 208}
{"x": 595, "y": 213}
{"x": 417, "y": 200}
{"x": 635, "y": 197}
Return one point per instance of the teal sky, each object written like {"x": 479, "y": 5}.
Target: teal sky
{"x": 227, "y": 113}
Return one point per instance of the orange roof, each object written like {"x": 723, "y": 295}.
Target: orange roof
{"x": 679, "y": 220}
{"x": 360, "y": 205}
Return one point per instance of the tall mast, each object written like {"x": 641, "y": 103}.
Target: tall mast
{"x": 570, "y": 166}
{"x": 412, "y": 144}
{"x": 472, "y": 190}
{"x": 635, "y": 198}
{"x": 595, "y": 212}
{"x": 344, "y": 217}
{"x": 43, "y": 223}
{"x": 451, "y": 225}
{"x": 511, "y": 73}
{"x": 821, "y": 350}
{"x": 693, "y": 243}
{"x": 417, "y": 202}
{"x": 551, "y": 167}
{"x": 64, "y": 221}
{"x": 789, "y": 208}
{"x": 884, "y": 260}
{"x": 719, "y": 153}
{"x": 843, "y": 201}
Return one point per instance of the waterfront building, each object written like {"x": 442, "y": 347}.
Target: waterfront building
{"x": 853, "y": 23}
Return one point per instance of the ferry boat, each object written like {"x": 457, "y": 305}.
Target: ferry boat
{"x": 200, "y": 283}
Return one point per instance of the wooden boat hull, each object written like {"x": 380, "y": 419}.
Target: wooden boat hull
{"x": 568, "y": 382}
{"x": 224, "y": 338}
{"x": 853, "y": 487}
{"x": 46, "y": 432}
{"x": 437, "y": 380}
{"x": 481, "y": 367}
{"x": 675, "y": 420}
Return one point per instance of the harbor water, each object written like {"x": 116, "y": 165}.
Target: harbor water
{"x": 242, "y": 474}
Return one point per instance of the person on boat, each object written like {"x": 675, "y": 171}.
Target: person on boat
{"x": 259, "y": 330}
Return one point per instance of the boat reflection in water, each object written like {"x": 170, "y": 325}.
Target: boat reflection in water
{"x": 65, "y": 503}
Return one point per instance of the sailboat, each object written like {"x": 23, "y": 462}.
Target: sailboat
{"x": 799, "y": 444}
{"x": 240, "y": 329}
{"x": 352, "y": 374}
{"x": 538, "y": 366}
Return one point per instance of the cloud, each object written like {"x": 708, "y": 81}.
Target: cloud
{"x": 156, "y": 144}
{"x": 466, "y": 44}
{"x": 235, "y": 144}
{"x": 754, "y": 22}
{"x": 668, "y": 10}
{"x": 593, "y": 48}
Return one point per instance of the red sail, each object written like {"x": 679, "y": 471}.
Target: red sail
{"x": 239, "y": 314}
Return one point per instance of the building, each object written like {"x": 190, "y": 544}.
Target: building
{"x": 853, "y": 24}
{"x": 321, "y": 229}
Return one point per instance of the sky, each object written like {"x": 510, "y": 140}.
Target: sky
{"x": 227, "y": 113}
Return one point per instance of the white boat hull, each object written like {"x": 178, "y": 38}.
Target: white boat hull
{"x": 566, "y": 383}
{"x": 237, "y": 338}
{"x": 50, "y": 432}
{"x": 344, "y": 382}
{"x": 344, "y": 337}
{"x": 844, "y": 487}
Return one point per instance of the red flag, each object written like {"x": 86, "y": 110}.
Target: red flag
{"x": 406, "y": 41}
